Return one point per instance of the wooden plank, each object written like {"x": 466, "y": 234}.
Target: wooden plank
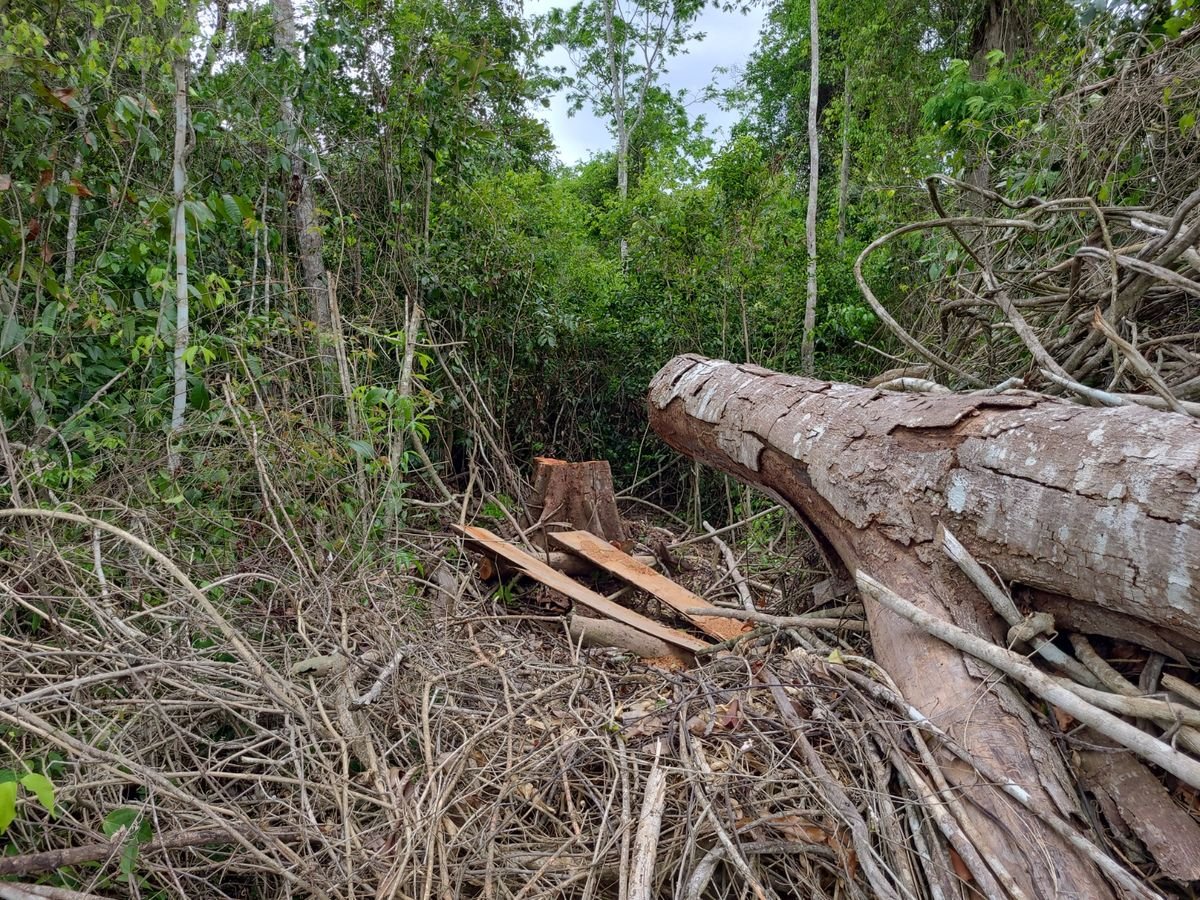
{"x": 491, "y": 544}
{"x": 642, "y": 576}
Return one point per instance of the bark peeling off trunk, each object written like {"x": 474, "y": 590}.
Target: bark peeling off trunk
{"x": 1019, "y": 482}
{"x": 1096, "y": 504}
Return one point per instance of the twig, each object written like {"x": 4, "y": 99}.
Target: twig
{"x": 372, "y": 693}
{"x": 806, "y": 621}
{"x": 722, "y": 530}
{"x": 1136, "y": 707}
{"x": 739, "y": 581}
{"x": 1138, "y": 362}
{"x": 645, "y": 844}
{"x": 49, "y": 860}
{"x": 1016, "y": 667}
{"x": 1006, "y": 609}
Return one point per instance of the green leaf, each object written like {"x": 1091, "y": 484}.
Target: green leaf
{"x": 362, "y": 449}
{"x": 8, "y": 804}
{"x": 1187, "y": 122}
{"x": 121, "y": 817}
{"x": 42, "y": 788}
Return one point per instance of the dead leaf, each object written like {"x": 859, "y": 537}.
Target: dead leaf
{"x": 76, "y": 187}
{"x": 1064, "y": 720}
{"x": 5, "y": 181}
{"x": 960, "y": 867}
{"x": 800, "y": 830}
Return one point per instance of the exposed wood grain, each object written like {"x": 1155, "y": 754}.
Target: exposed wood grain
{"x": 487, "y": 542}
{"x": 639, "y": 575}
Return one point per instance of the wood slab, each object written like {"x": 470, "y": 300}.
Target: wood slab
{"x": 629, "y": 570}
{"x": 491, "y": 544}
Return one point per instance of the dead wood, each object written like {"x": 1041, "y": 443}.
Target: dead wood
{"x": 593, "y": 632}
{"x": 1030, "y": 487}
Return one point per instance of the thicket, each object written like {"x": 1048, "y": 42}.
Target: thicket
{"x": 396, "y": 295}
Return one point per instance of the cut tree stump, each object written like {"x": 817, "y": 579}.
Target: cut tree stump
{"x": 574, "y": 496}
{"x": 1097, "y": 505}
{"x": 629, "y": 570}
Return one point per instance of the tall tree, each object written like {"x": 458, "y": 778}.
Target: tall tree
{"x": 619, "y": 49}
{"x": 316, "y": 280}
{"x": 810, "y": 222}
{"x": 179, "y": 236}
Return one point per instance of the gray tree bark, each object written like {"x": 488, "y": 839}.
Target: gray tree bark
{"x": 179, "y": 234}
{"x": 810, "y": 222}
{"x": 1090, "y": 504}
{"x": 316, "y": 280}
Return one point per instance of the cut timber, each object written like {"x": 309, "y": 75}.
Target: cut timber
{"x": 492, "y": 545}
{"x": 1092, "y": 504}
{"x": 641, "y": 576}
{"x": 567, "y": 563}
{"x": 574, "y": 496}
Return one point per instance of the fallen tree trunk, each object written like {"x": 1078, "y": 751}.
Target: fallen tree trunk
{"x": 1093, "y": 504}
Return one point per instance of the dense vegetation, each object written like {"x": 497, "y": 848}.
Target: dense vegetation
{"x": 336, "y": 239}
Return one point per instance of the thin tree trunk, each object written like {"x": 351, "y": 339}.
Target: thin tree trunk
{"x": 810, "y": 222}
{"x": 316, "y": 281}
{"x": 179, "y": 180}
{"x": 76, "y": 201}
{"x": 616, "y": 74}
{"x": 844, "y": 174}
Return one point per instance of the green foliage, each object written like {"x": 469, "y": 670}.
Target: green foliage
{"x": 35, "y": 783}
{"x": 966, "y": 109}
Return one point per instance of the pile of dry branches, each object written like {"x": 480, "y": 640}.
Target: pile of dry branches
{"x": 1092, "y": 295}
{"x": 269, "y": 737}
{"x": 1100, "y": 301}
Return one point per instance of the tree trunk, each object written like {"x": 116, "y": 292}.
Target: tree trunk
{"x": 574, "y": 496}
{"x": 1091, "y": 504}
{"x": 810, "y": 222}
{"x": 844, "y": 172}
{"x": 179, "y": 182}
{"x": 316, "y": 281}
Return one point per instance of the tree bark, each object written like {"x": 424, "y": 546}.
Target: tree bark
{"x": 814, "y": 167}
{"x": 571, "y": 496}
{"x": 316, "y": 280}
{"x": 1091, "y": 504}
{"x": 179, "y": 182}
{"x": 844, "y": 172}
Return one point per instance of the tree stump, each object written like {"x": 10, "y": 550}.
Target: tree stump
{"x": 574, "y": 496}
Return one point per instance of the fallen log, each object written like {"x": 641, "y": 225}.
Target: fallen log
{"x": 1092, "y": 504}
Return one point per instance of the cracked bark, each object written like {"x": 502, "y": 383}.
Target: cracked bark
{"x": 1096, "y": 505}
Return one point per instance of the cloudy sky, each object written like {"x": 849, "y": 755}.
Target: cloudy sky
{"x": 729, "y": 38}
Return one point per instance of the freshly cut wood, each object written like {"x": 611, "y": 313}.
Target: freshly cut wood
{"x": 629, "y": 570}
{"x": 570, "y": 496}
{"x": 567, "y": 563}
{"x": 487, "y": 542}
{"x": 1091, "y": 504}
